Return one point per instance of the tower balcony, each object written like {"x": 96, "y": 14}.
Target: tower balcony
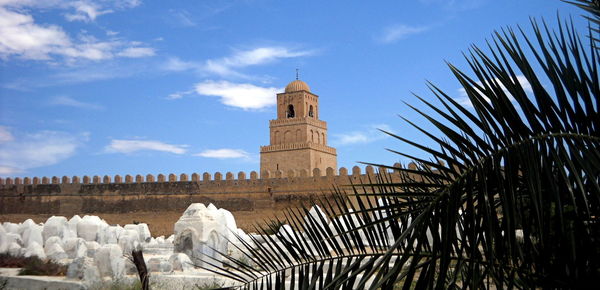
{"x": 296, "y": 121}
{"x": 298, "y": 146}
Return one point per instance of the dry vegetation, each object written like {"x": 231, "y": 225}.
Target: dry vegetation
{"x": 32, "y": 266}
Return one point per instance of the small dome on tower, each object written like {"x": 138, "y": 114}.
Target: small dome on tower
{"x": 297, "y": 85}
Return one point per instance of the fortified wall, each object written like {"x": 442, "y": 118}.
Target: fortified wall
{"x": 295, "y": 166}
{"x": 87, "y": 195}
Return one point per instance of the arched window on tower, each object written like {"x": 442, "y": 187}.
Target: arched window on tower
{"x": 290, "y": 111}
{"x": 310, "y": 111}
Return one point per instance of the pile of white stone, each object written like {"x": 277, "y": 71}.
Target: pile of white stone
{"x": 95, "y": 250}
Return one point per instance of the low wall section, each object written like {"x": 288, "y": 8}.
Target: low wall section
{"x": 69, "y": 196}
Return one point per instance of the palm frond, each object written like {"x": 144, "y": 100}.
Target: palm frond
{"x": 510, "y": 199}
{"x": 592, "y": 7}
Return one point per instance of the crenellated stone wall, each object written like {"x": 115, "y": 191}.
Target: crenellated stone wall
{"x": 120, "y": 194}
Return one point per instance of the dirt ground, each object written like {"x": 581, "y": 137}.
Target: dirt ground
{"x": 160, "y": 223}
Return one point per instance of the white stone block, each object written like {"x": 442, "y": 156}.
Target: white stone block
{"x": 3, "y": 242}
{"x": 14, "y": 238}
{"x": 128, "y": 240}
{"x": 201, "y": 231}
{"x": 72, "y": 223}
{"x": 317, "y": 215}
{"x": 91, "y": 228}
{"x": 239, "y": 246}
{"x": 91, "y": 246}
{"x": 51, "y": 241}
{"x": 151, "y": 243}
{"x": 54, "y": 226}
{"x": 75, "y": 248}
{"x": 69, "y": 234}
{"x": 354, "y": 221}
{"x": 131, "y": 227}
{"x": 111, "y": 234}
{"x": 130, "y": 268}
{"x": 33, "y": 233}
{"x": 25, "y": 225}
{"x": 11, "y": 227}
{"x": 170, "y": 239}
{"x": 35, "y": 249}
{"x": 229, "y": 223}
{"x": 287, "y": 233}
{"x": 181, "y": 262}
{"x": 83, "y": 268}
{"x": 55, "y": 252}
{"x": 142, "y": 230}
{"x": 110, "y": 262}
{"x": 14, "y": 249}
{"x": 159, "y": 265}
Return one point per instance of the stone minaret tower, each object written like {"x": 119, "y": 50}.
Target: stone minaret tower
{"x": 298, "y": 137}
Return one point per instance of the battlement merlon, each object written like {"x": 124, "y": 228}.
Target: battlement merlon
{"x": 195, "y": 177}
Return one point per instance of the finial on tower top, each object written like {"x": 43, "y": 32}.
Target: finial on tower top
{"x": 297, "y": 73}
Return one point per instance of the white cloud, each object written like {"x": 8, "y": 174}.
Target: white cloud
{"x": 182, "y": 17}
{"x": 241, "y": 95}
{"x": 85, "y": 11}
{"x": 76, "y": 75}
{"x": 5, "y": 135}
{"x": 44, "y": 148}
{"x": 131, "y": 146}
{"x": 179, "y": 95}
{"x": 454, "y": 5}
{"x": 21, "y": 36}
{"x": 223, "y": 153}
{"x": 70, "y": 102}
{"x": 176, "y": 64}
{"x": 125, "y": 4}
{"x": 466, "y": 102}
{"x": 258, "y": 56}
{"x": 368, "y": 135}
{"x": 351, "y": 138}
{"x": 78, "y": 10}
{"x": 400, "y": 31}
{"x": 245, "y": 96}
{"x": 135, "y": 52}
{"x": 228, "y": 66}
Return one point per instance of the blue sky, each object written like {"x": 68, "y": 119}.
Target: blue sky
{"x": 106, "y": 87}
